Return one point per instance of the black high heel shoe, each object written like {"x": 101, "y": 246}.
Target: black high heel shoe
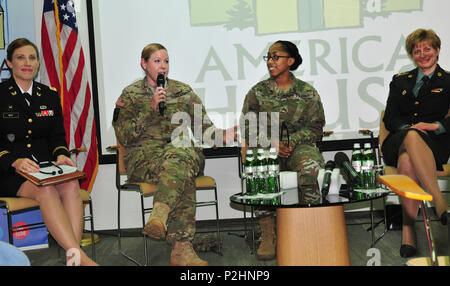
{"x": 443, "y": 218}
{"x": 407, "y": 251}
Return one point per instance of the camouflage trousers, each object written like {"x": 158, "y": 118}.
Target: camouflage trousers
{"x": 306, "y": 160}
{"x": 173, "y": 170}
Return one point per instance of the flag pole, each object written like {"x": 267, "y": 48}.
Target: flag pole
{"x": 58, "y": 40}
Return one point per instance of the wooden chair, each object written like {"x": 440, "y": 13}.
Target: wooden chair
{"x": 15, "y": 205}
{"x": 146, "y": 189}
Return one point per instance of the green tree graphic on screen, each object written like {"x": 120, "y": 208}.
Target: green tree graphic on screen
{"x": 241, "y": 16}
{"x": 284, "y": 16}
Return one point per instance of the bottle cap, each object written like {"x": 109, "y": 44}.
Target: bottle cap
{"x": 367, "y": 145}
{"x": 356, "y": 145}
{"x": 249, "y": 151}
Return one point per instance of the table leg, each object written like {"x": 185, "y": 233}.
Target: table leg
{"x": 371, "y": 224}
{"x": 312, "y": 237}
{"x": 448, "y": 225}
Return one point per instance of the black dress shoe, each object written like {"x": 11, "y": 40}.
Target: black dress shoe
{"x": 407, "y": 251}
{"x": 443, "y": 218}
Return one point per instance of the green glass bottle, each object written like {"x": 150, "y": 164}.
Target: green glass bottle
{"x": 368, "y": 167}
{"x": 273, "y": 171}
{"x": 261, "y": 166}
{"x": 357, "y": 164}
{"x": 249, "y": 173}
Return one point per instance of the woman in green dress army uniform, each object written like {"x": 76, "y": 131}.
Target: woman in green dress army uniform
{"x": 418, "y": 118}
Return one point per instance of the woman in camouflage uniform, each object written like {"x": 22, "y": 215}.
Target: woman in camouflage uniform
{"x": 300, "y": 110}
{"x": 154, "y": 155}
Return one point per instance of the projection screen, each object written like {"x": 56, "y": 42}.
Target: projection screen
{"x": 351, "y": 49}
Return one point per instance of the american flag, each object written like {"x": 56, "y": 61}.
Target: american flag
{"x": 63, "y": 67}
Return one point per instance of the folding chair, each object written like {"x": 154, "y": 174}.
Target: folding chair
{"x": 15, "y": 205}
{"x": 92, "y": 238}
{"x": 146, "y": 189}
{"x": 406, "y": 187}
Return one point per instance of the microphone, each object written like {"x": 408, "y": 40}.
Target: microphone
{"x": 329, "y": 166}
{"x": 160, "y": 81}
{"x": 343, "y": 161}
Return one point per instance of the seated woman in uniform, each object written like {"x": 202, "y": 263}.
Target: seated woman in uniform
{"x": 160, "y": 151}
{"x": 27, "y": 139}
{"x": 418, "y": 118}
{"x": 300, "y": 110}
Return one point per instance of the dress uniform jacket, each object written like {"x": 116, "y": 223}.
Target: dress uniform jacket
{"x": 26, "y": 131}
{"x": 432, "y": 104}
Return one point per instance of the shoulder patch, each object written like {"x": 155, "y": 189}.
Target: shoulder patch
{"x": 120, "y": 102}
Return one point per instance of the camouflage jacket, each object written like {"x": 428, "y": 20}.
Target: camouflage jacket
{"x": 137, "y": 124}
{"x": 299, "y": 107}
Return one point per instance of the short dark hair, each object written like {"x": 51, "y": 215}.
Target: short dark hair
{"x": 17, "y": 44}
{"x": 293, "y": 52}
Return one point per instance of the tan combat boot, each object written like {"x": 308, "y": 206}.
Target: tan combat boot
{"x": 266, "y": 249}
{"x": 156, "y": 225}
{"x": 183, "y": 254}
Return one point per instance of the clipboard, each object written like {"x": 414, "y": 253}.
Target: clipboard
{"x": 69, "y": 173}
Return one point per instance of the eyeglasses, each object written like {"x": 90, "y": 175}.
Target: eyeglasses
{"x": 49, "y": 164}
{"x": 274, "y": 58}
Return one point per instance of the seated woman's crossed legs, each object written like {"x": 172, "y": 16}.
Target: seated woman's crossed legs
{"x": 416, "y": 161}
{"x": 62, "y": 210}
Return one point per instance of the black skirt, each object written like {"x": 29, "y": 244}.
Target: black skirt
{"x": 10, "y": 184}
{"x": 393, "y": 141}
